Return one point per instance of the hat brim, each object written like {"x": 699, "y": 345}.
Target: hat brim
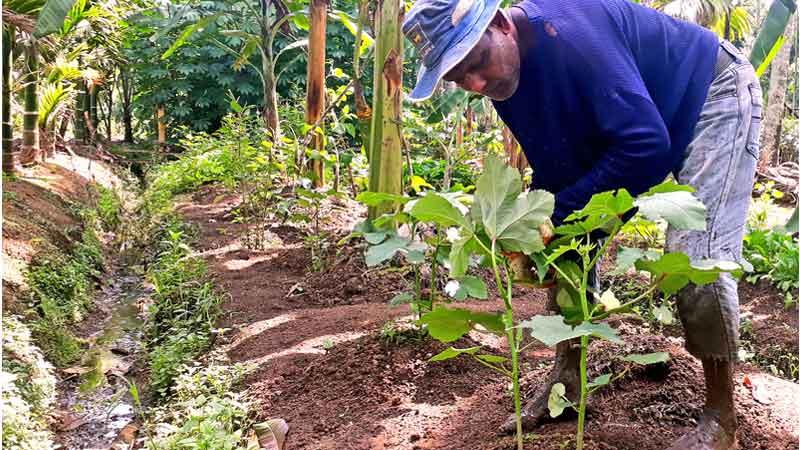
{"x": 429, "y": 77}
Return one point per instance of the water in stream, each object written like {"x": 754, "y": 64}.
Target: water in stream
{"x": 97, "y": 410}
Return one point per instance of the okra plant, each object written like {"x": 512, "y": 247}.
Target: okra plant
{"x": 575, "y": 252}
{"x": 503, "y": 220}
{"x": 424, "y": 245}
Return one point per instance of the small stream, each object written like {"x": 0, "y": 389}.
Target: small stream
{"x": 97, "y": 410}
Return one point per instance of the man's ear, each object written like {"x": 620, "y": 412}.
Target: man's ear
{"x": 501, "y": 21}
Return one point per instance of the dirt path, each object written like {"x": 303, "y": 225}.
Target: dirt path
{"x": 323, "y": 367}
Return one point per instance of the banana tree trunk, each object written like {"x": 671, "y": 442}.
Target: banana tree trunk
{"x": 386, "y": 161}
{"x": 9, "y": 159}
{"x": 363, "y": 110}
{"x": 776, "y": 97}
{"x": 315, "y": 88}
{"x": 30, "y": 131}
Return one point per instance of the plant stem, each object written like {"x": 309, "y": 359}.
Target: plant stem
{"x": 508, "y": 319}
{"x": 584, "y": 393}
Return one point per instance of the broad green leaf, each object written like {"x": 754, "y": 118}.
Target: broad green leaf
{"x": 470, "y": 286}
{"x": 459, "y": 257}
{"x": 433, "y": 208}
{"x": 663, "y": 314}
{"x": 497, "y": 186}
{"x": 351, "y": 24}
{"x": 450, "y": 324}
{"x": 377, "y": 254}
{"x": 648, "y": 358}
{"x": 415, "y": 257}
{"x": 401, "y": 298}
{"x": 609, "y": 204}
{"x": 627, "y": 257}
{"x": 609, "y": 300}
{"x": 556, "y": 402}
{"x": 301, "y": 21}
{"x": 602, "y": 380}
{"x": 673, "y": 271}
{"x": 681, "y": 209}
{"x": 791, "y": 226}
{"x": 550, "y": 330}
{"x": 51, "y": 17}
{"x": 669, "y": 186}
{"x": 770, "y": 38}
{"x": 369, "y": 198}
{"x": 492, "y": 359}
{"x": 376, "y": 237}
{"x": 453, "y": 352}
{"x": 518, "y": 221}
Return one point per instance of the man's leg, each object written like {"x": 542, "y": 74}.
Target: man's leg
{"x": 566, "y": 370}
{"x": 720, "y": 165}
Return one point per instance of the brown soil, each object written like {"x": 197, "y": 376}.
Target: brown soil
{"x": 322, "y": 365}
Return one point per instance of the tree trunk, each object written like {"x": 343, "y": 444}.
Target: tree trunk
{"x": 30, "y": 132}
{"x": 46, "y": 143}
{"x": 126, "y": 97}
{"x": 386, "y": 161}
{"x": 161, "y": 126}
{"x": 776, "y": 96}
{"x": 80, "y": 106}
{"x": 93, "y": 88}
{"x": 270, "y": 111}
{"x": 363, "y": 110}
{"x": 315, "y": 87}
{"x": 516, "y": 158}
{"x": 9, "y": 159}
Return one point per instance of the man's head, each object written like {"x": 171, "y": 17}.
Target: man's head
{"x": 470, "y": 42}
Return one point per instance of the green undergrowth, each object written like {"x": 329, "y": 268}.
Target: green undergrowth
{"x": 60, "y": 282}
{"x": 28, "y": 389}
{"x": 207, "y": 410}
{"x": 60, "y": 291}
{"x": 185, "y": 307}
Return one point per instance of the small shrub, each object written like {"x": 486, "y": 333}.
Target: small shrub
{"x": 109, "y": 208}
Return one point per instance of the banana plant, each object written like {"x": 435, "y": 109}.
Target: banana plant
{"x": 269, "y": 22}
{"x": 770, "y": 38}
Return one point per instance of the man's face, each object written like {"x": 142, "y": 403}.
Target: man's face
{"x": 492, "y": 67}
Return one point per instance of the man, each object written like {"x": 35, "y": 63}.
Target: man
{"x": 607, "y": 94}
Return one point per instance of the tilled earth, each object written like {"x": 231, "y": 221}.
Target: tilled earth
{"x": 327, "y": 364}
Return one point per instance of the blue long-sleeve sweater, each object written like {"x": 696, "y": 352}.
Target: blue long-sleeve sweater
{"x": 609, "y": 95}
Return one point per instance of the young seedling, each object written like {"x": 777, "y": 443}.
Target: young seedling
{"x": 576, "y": 251}
{"x": 424, "y": 244}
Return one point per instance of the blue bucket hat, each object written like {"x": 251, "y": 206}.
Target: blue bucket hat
{"x": 444, "y": 32}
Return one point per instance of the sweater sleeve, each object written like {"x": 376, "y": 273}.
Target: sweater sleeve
{"x": 636, "y": 143}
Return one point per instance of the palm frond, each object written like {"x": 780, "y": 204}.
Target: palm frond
{"x": 740, "y": 24}
{"x": 54, "y": 97}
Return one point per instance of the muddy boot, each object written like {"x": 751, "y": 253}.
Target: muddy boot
{"x": 716, "y": 429}
{"x": 566, "y": 370}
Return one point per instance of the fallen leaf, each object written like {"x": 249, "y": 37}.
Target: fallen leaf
{"x": 761, "y": 394}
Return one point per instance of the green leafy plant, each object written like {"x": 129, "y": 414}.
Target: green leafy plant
{"x": 504, "y": 221}
{"x": 425, "y": 247}
{"x": 574, "y": 254}
{"x": 774, "y": 255}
